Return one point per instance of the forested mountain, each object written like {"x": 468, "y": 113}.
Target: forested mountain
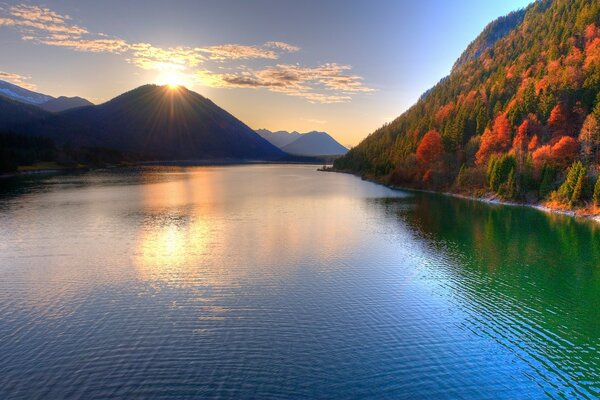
{"x": 157, "y": 123}
{"x": 519, "y": 110}
{"x": 14, "y": 113}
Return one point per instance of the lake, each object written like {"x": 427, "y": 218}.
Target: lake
{"x": 277, "y": 281}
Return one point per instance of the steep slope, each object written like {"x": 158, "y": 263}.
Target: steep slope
{"x": 14, "y": 113}
{"x": 18, "y": 93}
{"x": 315, "y": 144}
{"x": 520, "y": 106}
{"x": 63, "y": 103}
{"x": 156, "y": 122}
{"x": 279, "y": 138}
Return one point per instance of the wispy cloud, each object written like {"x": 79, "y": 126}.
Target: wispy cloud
{"x": 327, "y": 83}
{"x": 17, "y": 79}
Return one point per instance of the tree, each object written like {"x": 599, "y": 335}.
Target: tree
{"x": 565, "y": 151}
{"x": 590, "y": 138}
{"x": 596, "y": 197}
{"x": 494, "y": 141}
{"x": 430, "y": 149}
{"x": 558, "y": 123}
{"x": 571, "y": 189}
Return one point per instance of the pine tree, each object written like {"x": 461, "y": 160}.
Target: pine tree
{"x": 577, "y": 190}
{"x": 597, "y": 192}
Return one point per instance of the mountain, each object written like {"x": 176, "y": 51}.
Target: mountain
{"x": 14, "y": 113}
{"x": 312, "y": 144}
{"x": 279, "y": 138}
{"x": 518, "y": 116}
{"x": 44, "y": 101}
{"x": 63, "y": 103}
{"x": 315, "y": 144}
{"x": 18, "y": 93}
{"x": 157, "y": 123}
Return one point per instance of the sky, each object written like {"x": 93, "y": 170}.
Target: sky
{"x": 344, "y": 67}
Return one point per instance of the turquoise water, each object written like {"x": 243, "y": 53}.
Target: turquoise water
{"x": 284, "y": 282}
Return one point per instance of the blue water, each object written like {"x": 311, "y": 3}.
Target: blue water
{"x": 285, "y": 282}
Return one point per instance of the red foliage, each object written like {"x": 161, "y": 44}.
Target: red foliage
{"x": 494, "y": 141}
{"x": 561, "y": 155}
{"x": 542, "y": 155}
{"x": 431, "y": 148}
{"x": 558, "y": 123}
{"x": 565, "y": 151}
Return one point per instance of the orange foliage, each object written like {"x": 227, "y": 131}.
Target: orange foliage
{"x": 558, "y": 123}
{"x": 533, "y": 143}
{"x": 592, "y": 57}
{"x": 444, "y": 112}
{"x": 561, "y": 154}
{"x": 431, "y": 148}
{"x": 496, "y": 140}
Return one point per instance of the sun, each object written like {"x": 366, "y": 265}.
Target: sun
{"x": 172, "y": 79}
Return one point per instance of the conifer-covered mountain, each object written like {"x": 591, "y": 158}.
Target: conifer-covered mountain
{"x": 518, "y": 115}
{"x": 311, "y": 144}
{"x": 14, "y": 113}
{"x": 157, "y": 123}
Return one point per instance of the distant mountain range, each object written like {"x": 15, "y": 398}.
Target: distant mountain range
{"x": 310, "y": 144}
{"x": 150, "y": 122}
{"x": 43, "y": 101}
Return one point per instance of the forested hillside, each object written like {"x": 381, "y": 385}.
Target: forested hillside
{"x": 519, "y": 114}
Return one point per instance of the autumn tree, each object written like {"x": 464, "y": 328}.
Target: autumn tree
{"x": 590, "y": 138}
{"x": 558, "y": 123}
{"x": 565, "y": 151}
{"x": 495, "y": 140}
{"x": 431, "y": 148}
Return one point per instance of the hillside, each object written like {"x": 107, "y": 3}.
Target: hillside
{"x": 157, "y": 123}
{"x": 14, "y": 113}
{"x": 520, "y": 107}
{"x": 63, "y": 103}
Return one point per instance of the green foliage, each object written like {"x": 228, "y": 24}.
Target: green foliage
{"x": 596, "y": 197}
{"x": 499, "y": 171}
{"x": 572, "y": 189}
{"x": 547, "y": 179}
{"x": 511, "y": 185}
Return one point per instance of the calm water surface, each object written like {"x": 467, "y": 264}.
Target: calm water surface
{"x": 283, "y": 282}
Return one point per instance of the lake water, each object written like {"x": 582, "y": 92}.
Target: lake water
{"x": 284, "y": 282}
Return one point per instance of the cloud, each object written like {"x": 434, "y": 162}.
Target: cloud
{"x": 34, "y": 19}
{"x": 283, "y": 46}
{"x": 327, "y": 83}
{"x": 17, "y": 79}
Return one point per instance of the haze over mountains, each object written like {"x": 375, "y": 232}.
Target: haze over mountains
{"x": 313, "y": 143}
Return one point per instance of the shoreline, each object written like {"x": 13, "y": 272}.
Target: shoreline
{"x": 494, "y": 200}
